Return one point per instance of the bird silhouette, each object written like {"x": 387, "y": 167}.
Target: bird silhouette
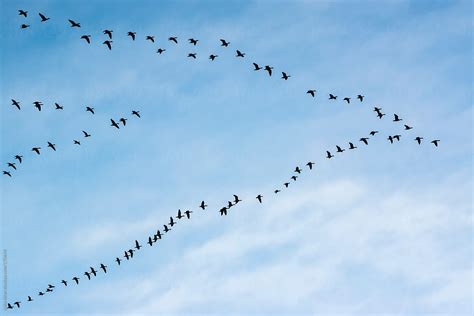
{"x": 7, "y": 173}
{"x": 108, "y": 33}
{"x": 339, "y": 149}
{"x": 87, "y": 38}
{"x": 435, "y": 142}
{"x": 365, "y": 140}
{"x": 76, "y": 142}
{"x": 193, "y": 41}
{"x": 236, "y": 199}
{"x": 51, "y": 286}
{"x": 212, "y": 57}
{"x": 259, "y": 198}
{"x": 297, "y": 169}
{"x": 269, "y": 70}
{"x": 397, "y": 137}
{"x": 173, "y": 39}
{"x": 16, "y": 103}
{"x": 118, "y": 260}
{"x": 351, "y": 146}
{"x": 376, "y": 109}
{"x": 52, "y": 146}
{"x": 58, "y": 107}
{"x": 76, "y": 279}
{"x": 126, "y": 256}
{"x": 284, "y": 75}
{"x": 103, "y": 267}
{"x": 311, "y": 92}
{"x": 192, "y": 55}
{"x": 150, "y": 38}
{"x": 294, "y": 178}
{"x": 93, "y": 271}
{"x": 360, "y": 97}
{"x": 203, "y": 205}
{"x": 22, "y": 12}
{"x": 256, "y": 66}
{"x": 9, "y": 306}
{"x": 224, "y": 43}
{"x": 390, "y": 138}
{"x": 372, "y": 133}
{"x": 418, "y": 139}
{"x": 166, "y": 229}
{"x": 239, "y": 53}
{"x": 188, "y": 213}
{"x": 172, "y": 222}
{"x": 136, "y": 113}
{"x": 38, "y": 105}
{"x": 30, "y": 299}
{"x": 229, "y": 204}
{"x": 11, "y": 165}
{"x": 328, "y": 155}
{"x": 88, "y": 275}
{"x": 286, "y": 184}
{"x": 396, "y": 118}
{"x": 36, "y": 150}
{"x": 158, "y": 233}
{"x": 276, "y": 191}
{"x": 137, "y": 245}
{"x": 132, "y": 35}
{"x": 114, "y": 124}
{"x": 310, "y": 165}
{"x": 90, "y": 109}
{"x": 380, "y": 115}
{"x": 40, "y": 293}
{"x": 347, "y": 99}
{"x": 19, "y": 158}
{"x": 74, "y": 24}
{"x": 180, "y": 215}
{"x": 49, "y": 290}
{"x": 86, "y": 134}
{"x": 43, "y": 17}
{"x": 24, "y": 26}
{"x": 407, "y": 127}
{"x": 160, "y": 50}
{"x": 123, "y": 121}
{"x": 17, "y": 304}
{"x": 223, "y": 211}
{"x": 150, "y": 241}
{"x": 108, "y": 43}
{"x": 332, "y": 96}
{"x": 64, "y": 282}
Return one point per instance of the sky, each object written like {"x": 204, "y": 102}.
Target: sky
{"x": 385, "y": 229}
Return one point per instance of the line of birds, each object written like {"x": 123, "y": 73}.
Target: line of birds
{"x": 19, "y": 158}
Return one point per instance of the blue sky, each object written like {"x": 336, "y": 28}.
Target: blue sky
{"x": 384, "y": 229}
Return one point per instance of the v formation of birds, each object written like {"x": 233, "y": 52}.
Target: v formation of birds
{"x": 224, "y": 210}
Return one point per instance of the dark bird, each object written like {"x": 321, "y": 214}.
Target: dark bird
{"x": 108, "y": 33}
{"x": 16, "y": 103}
{"x": 150, "y": 241}
{"x": 158, "y": 233}
{"x": 418, "y": 139}
{"x": 269, "y": 69}
{"x": 297, "y": 170}
{"x": 180, "y": 215}
{"x": 58, "y": 107}
{"x": 36, "y": 150}
{"x": 43, "y": 17}
{"x": 339, "y": 149}
{"x": 130, "y": 252}
{"x": 188, "y": 213}
{"x": 311, "y": 92}
{"x": 74, "y": 24}
{"x": 239, "y": 53}
{"x": 86, "y": 134}
{"x": 365, "y": 140}
{"x": 30, "y": 299}
{"x": 229, "y": 204}
{"x": 127, "y": 256}
{"x": 276, "y": 191}
{"x": 224, "y": 43}
{"x": 76, "y": 279}
{"x": 40, "y": 293}
{"x": 166, "y": 229}
{"x": 155, "y": 238}
{"x": 396, "y": 118}
{"x": 390, "y": 138}
{"x": 108, "y": 43}
{"x": 259, "y": 198}
{"x": 103, "y": 267}
{"x": 22, "y": 12}
{"x": 11, "y": 165}
{"x": 93, "y": 271}
{"x": 372, "y": 133}
{"x": 310, "y": 165}
{"x": 236, "y": 199}
{"x": 132, "y": 35}
{"x": 38, "y": 105}
{"x": 89, "y": 109}
{"x": 294, "y": 178}
{"x": 332, "y": 96}
{"x": 49, "y": 290}
{"x": 51, "y": 286}
{"x": 114, "y": 124}
{"x": 136, "y": 113}
{"x": 212, "y": 57}
{"x": 52, "y": 146}
{"x": 137, "y": 245}
{"x": 76, "y": 142}
{"x": 360, "y": 97}
{"x": 328, "y": 155}
{"x": 435, "y": 142}
{"x": 64, "y": 282}
{"x": 9, "y": 306}
{"x": 376, "y": 109}
{"x": 348, "y": 100}
{"x": 223, "y": 211}
{"x": 284, "y": 75}
{"x": 19, "y": 158}
{"x": 150, "y": 38}
{"x": 7, "y": 173}
{"x": 351, "y": 146}
{"x": 123, "y": 121}
{"x": 380, "y": 115}
{"x": 17, "y": 304}
{"x": 203, "y": 205}
{"x": 397, "y": 137}
{"x": 118, "y": 260}
{"x": 172, "y": 222}
{"x": 24, "y": 26}
{"x": 160, "y": 50}
{"x": 193, "y": 55}
{"x": 286, "y": 184}
{"x": 257, "y": 67}
{"x": 87, "y": 38}
{"x": 88, "y": 275}
{"x": 173, "y": 39}
{"x": 408, "y": 127}
{"x": 193, "y": 41}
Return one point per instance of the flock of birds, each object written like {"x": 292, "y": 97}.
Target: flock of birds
{"x": 224, "y": 210}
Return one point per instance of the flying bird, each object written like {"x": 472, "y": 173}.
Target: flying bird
{"x": 390, "y": 138}
{"x": 259, "y": 198}
{"x": 180, "y": 215}
{"x": 276, "y": 191}
{"x": 166, "y": 229}
{"x": 360, "y": 97}
{"x": 297, "y": 169}
{"x": 123, "y": 121}
{"x": 310, "y": 165}
{"x": 193, "y": 41}
{"x": 396, "y": 118}
{"x": 87, "y": 38}
{"x": 150, "y": 241}
{"x": 160, "y": 50}
{"x": 229, "y": 204}
{"x": 52, "y": 146}
{"x": 16, "y": 103}
{"x": 351, "y": 146}
{"x": 223, "y": 211}
{"x": 86, "y": 134}
{"x": 172, "y": 222}
{"x": 365, "y": 140}
{"x": 257, "y": 67}
{"x": 17, "y": 304}
{"x": 114, "y": 124}
{"x": 286, "y": 184}
{"x": 380, "y": 115}
{"x": 117, "y": 260}
{"x": 19, "y": 158}
{"x": 294, "y": 178}
{"x": 239, "y": 53}
{"x": 9, "y": 306}
{"x": 284, "y": 75}
{"x": 90, "y": 109}
{"x": 58, "y": 107}
{"x": 435, "y": 142}
{"x": 136, "y": 113}
{"x": 64, "y": 282}
{"x": 397, "y": 137}
{"x": 132, "y": 35}
{"x": 347, "y": 99}
{"x": 93, "y": 271}
{"x": 418, "y": 139}
{"x": 108, "y": 43}
{"x": 332, "y": 96}
{"x": 311, "y": 92}
{"x": 212, "y": 57}
{"x": 203, "y": 205}
{"x": 74, "y": 24}
{"x": 127, "y": 256}
{"x": 22, "y": 12}
{"x": 173, "y": 39}
{"x": 103, "y": 267}
{"x": 7, "y": 173}
{"x": 193, "y": 55}
{"x": 11, "y": 165}
{"x": 269, "y": 69}
{"x": 339, "y": 149}
{"x": 137, "y": 245}
{"x": 76, "y": 142}
{"x": 76, "y": 279}
{"x": 236, "y": 199}
{"x": 43, "y": 17}
{"x": 38, "y": 105}
{"x": 150, "y": 38}
{"x": 328, "y": 155}
{"x": 408, "y": 127}
{"x": 30, "y": 299}
{"x": 49, "y": 290}
{"x": 24, "y": 26}
{"x": 108, "y": 33}
{"x": 188, "y": 215}
{"x": 36, "y": 150}
{"x": 51, "y": 286}
{"x": 40, "y": 293}
{"x": 224, "y": 43}
{"x": 88, "y": 275}
{"x": 372, "y": 133}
